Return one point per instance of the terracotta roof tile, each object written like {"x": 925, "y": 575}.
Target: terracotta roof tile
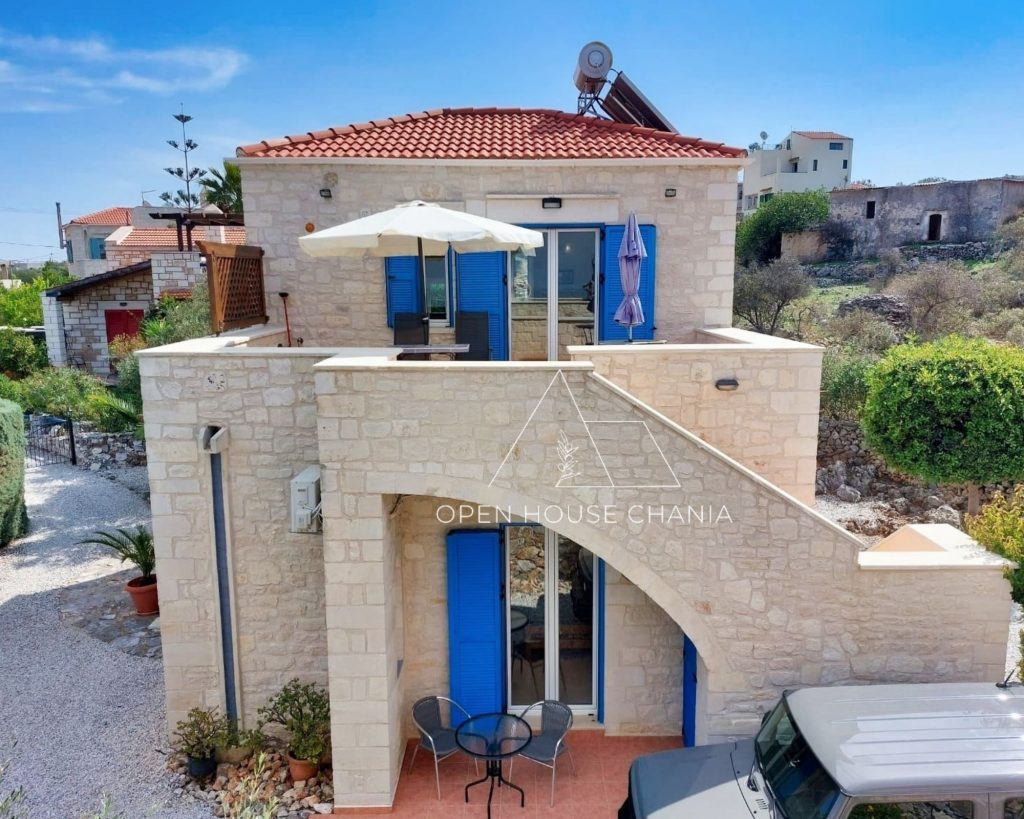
{"x": 492, "y": 133}
{"x": 160, "y": 238}
{"x": 119, "y": 216}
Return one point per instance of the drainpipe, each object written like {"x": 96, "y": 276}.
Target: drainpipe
{"x": 214, "y": 440}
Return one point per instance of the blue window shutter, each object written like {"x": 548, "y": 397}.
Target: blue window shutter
{"x": 689, "y": 692}
{"x": 404, "y": 291}
{"x": 483, "y": 285}
{"x": 611, "y": 285}
{"x": 476, "y": 634}
{"x": 97, "y": 247}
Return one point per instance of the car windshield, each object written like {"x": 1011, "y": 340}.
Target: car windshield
{"x": 802, "y": 788}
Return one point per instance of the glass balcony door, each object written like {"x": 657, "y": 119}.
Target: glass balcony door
{"x": 553, "y": 295}
{"x": 551, "y": 619}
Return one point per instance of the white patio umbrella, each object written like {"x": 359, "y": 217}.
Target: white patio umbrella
{"x": 420, "y": 229}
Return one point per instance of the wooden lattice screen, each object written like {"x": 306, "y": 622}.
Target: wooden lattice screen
{"x": 235, "y": 279}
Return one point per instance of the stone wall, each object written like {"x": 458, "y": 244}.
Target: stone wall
{"x": 265, "y": 399}
{"x": 342, "y": 301}
{"x": 175, "y": 271}
{"x": 971, "y": 211}
{"x": 769, "y": 423}
{"x": 643, "y": 676}
{"x": 85, "y": 324}
{"x": 124, "y": 256}
{"x": 107, "y": 450}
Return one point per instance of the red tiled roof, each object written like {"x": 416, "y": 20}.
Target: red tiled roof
{"x": 117, "y": 216}
{"x": 168, "y": 237}
{"x": 491, "y": 133}
{"x": 821, "y": 135}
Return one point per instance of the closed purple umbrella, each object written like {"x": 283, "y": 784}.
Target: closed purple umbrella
{"x": 631, "y": 255}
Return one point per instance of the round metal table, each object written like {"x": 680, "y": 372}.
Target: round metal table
{"x": 494, "y": 738}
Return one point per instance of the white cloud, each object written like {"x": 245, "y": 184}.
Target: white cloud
{"x": 57, "y": 74}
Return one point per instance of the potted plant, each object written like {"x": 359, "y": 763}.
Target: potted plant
{"x": 196, "y": 736}
{"x": 303, "y": 710}
{"x": 235, "y": 745}
{"x": 135, "y": 545}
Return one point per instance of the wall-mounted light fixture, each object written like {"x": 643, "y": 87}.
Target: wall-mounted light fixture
{"x": 727, "y": 384}
{"x": 670, "y": 193}
{"x": 325, "y": 193}
{"x": 310, "y": 227}
{"x": 551, "y": 202}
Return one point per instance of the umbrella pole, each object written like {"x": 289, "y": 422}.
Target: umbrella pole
{"x": 423, "y": 278}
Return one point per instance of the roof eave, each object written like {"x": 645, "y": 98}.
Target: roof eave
{"x": 729, "y": 162}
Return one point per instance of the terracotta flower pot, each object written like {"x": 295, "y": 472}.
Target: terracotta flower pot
{"x": 301, "y": 768}
{"x": 144, "y": 595}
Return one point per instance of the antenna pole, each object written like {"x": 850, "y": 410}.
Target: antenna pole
{"x": 60, "y": 228}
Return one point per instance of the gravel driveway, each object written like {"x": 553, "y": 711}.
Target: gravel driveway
{"x": 87, "y": 717}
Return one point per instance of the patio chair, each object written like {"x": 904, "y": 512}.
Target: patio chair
{"x": 412, "y": 328}
{"x": 473, "y": 328}
{"x": 549, "y": 743}
{"x": 435, "y": 736}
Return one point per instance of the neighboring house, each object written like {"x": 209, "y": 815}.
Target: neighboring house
{"x": 143, "y": 263}
{"x": 803, "y": 161}
{"x": 624, "y": 527}
{"x": 949, "y": 212}
{"x": 85, "y": 240}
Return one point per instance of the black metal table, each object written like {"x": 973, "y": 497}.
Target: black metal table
{"x": 494, "y": 738}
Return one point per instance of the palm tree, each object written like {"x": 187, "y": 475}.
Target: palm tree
{"x": 224, "y": 188}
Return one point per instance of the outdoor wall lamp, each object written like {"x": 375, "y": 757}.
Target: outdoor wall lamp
{"x": 551, "y": 202}
{"x": 670, "y": 193}
{"x": 727, "y": 384}
{"x": 325, "y": 193}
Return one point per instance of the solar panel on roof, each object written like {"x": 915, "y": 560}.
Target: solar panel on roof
{"x": 626, "y": 103}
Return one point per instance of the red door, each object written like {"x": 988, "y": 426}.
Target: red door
{"x": 122, "y": 323}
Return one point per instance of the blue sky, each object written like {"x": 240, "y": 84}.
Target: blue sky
{"x": 87, "y": 90}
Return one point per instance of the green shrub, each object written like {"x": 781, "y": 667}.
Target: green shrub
{"x": 11, "y": 390}
{"x": 13, "y": 515}
{"x": 23, "y": 306}
{"x": 19, "y": 354}
{"x": 62, "y": 391}
{"x": 863, "y": 331}
{"x": 999, "y": 527}
{"x": 763, "y": 293}
{"x": 759, "y": 236}
{"x": 844, "y": 385}
{"x": 949, "y": 412}
{"x": 303, "y": 710}
{"x": 197, "y": 734}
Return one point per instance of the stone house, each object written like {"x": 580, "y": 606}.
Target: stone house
{"x": 138, "y": 265}
{"x": 884, "y": 218}
{"x": 623, "y": 527}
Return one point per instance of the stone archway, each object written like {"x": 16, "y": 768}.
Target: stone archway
{"x": 599, "y": 541}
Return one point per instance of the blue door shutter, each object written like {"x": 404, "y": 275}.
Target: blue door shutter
{"x": 689, "y": 693}
{"x": 97, "y": 247}
{"x": 476, "y": 644}
{"x": 482, "y": 285}
{"x": 405, "y": 294}
{"x": 611, "y": 285}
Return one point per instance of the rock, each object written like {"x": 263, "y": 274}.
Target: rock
{"x": 932, "y": 502}
{"x": 848, "y": 494}
{"x": 944, "y": 514}
{"x": 323, "y": 808}
{"x": 893, "y": 309}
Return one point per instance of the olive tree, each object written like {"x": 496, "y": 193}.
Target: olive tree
{"x": 949, "y": 412}
{"x": 763, "y": 292}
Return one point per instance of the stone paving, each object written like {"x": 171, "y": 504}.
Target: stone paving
{"x": 102, "y": 608}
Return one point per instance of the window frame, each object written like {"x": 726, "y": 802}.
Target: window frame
{"x": 814, "y": 164}
{"x": 447, "y": 320}
{"x": 846, "y": 164}
{"x": 101, "y": 243}
{"x": 836, "y": 146}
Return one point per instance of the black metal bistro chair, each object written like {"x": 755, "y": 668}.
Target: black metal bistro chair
{"x": 549, "y": 743}
{"x": 473, "y": 328}
{"x": 435, "y": 736}
{"x": 412, "y": 328}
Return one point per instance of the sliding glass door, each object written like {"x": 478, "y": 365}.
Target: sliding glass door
{"x": 553, "y": 295}
{"x": 551, "y": 595}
